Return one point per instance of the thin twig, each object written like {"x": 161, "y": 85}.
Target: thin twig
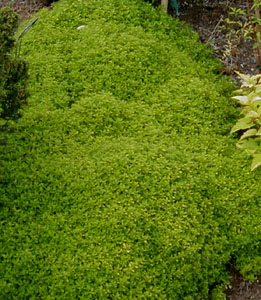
{"x": 215, "y": 29}
{"x": 19, "y": 39}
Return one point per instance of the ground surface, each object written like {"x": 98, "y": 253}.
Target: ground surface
{"x": 207, "y": 19}
{"x": 204, "y": 21}
{"x": 243, "y": 290}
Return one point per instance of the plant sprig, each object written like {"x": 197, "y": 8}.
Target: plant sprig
{"x": 250, "y": 125}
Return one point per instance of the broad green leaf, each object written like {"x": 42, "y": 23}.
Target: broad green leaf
{"x": 256, "y": 98}
{"x": 242, "y": 99}
{"x": 245, "y": 110}
{"x": 252, "y": 114}
{"x": 240, "y": 91}
{"x": 250, "y": 152}
{"x": 256, "y": 161}
{"x": 248, "y": 145}
{"x": 248, "y": 133}
{"x": 251, "y": 96}
{"x": 242, "y": 124}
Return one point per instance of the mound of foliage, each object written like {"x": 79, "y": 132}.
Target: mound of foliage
{"x": 121, "y": 180}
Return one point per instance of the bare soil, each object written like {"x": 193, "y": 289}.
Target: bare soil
{"x": 240, "y": 289}
{"x": 26, "y": 8}
{"x": 205, "y": 17}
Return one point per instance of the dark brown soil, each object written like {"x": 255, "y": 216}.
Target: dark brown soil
{"x": 205, "y": 18}
{"x": 26, "y": 8}
{"x": 239, "y": 289}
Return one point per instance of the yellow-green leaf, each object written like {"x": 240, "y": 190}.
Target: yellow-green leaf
{"x": 242, "y": 99}
{"x": 242, "y": 124}
{"x": 248, "y": 133}
{"x": 256, "y": 161}
{"x": 252, "y": 114}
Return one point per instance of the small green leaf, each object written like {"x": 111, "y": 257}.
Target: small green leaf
{"x": 240, "y": 91}
{"x": 246, "y": 78}
{"x": 248, "y": 133}
{"x": 256, "y": 98}
{"x": 242, "y": 99}
{"x": 256, "y": 161}
{"x": 242, "y": 124}
{"x": 248, "y": 145}
{"x": 256, "y": 77}
{"x": 252, "y": 114}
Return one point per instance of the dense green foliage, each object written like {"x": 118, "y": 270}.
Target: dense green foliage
{"x": 13, "y": 71}
{"x": 121, "y": 180}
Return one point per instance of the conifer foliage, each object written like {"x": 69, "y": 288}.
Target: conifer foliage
{"x": 13, "y": 70}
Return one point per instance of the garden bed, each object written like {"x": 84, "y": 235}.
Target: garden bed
{"x": 127, "y": 157}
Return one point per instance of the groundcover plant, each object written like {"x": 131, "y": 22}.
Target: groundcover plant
{"x": 121, "y": 180}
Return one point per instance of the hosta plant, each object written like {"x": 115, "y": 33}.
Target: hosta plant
{"x": 250, "y": 124}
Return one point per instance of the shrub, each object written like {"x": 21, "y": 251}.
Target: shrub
{"x": 13, "y": 70}
{"x": 122, "y": 181}
{"x": 250, "y": 124}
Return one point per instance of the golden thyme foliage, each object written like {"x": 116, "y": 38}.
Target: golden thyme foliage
{"x": 121, "y": 180}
